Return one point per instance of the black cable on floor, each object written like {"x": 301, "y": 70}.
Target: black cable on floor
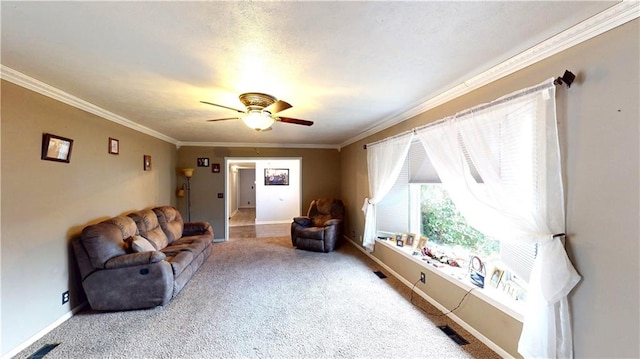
{"x": 437, "y": 314}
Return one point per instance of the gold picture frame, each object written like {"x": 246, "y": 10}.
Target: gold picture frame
{"x": 496, "y": 277}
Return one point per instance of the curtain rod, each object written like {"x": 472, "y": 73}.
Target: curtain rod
{"x": 567, "y": 79}
{"x": 389, "y": 138}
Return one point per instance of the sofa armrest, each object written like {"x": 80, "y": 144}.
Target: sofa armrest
{"x": 134, "y": 259}
{"x": 303, "y": 221}
{"x": 196, "y": 228}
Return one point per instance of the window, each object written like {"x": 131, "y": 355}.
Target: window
{"x": 441, "y": 222}
{"x": 418, "y": 203}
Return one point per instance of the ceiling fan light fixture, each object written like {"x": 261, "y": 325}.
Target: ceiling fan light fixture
{"x": 258, "y": 120}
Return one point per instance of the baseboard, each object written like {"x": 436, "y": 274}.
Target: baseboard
{"x": 274, "y": 222}
{"x": 24, "y": 345}
{"x": 486, "y": 341}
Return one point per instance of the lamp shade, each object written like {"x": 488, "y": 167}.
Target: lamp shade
{"x": 258, "y": 120}
{"x": 180, "y": 192}
{"x": 188, "y": 172}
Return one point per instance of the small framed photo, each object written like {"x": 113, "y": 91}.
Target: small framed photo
{"x": 114, "y": 146}
{"x": 410, "y": 239}
{"x": 215, "y": 168}
{"x": 276, "y": 176}
{"x": 56, "y": 148}
{"x": 496, "y": 276}
{"x": 203, "y": 162}
{"x": 399, "y": 242}
{"x": 147, "y": 162}
{"x": 421, "y": 243}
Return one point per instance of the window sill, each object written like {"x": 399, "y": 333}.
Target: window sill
{"x": 460, "y": 277}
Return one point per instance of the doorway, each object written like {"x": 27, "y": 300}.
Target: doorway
{"x": 254, "y": 198}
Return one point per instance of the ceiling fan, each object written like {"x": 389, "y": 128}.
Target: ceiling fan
{"x": 261, "y": 111}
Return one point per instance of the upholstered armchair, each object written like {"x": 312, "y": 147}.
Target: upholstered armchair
{"x": 321, "y": 229}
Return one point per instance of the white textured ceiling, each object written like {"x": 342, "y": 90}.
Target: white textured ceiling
{"x": 347, "y": 66}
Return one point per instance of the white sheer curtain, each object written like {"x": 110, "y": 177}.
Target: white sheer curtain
{"x": 513, "y": 144}
{"x": 384, "y": 161}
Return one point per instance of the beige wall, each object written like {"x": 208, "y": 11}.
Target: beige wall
{"x": 599, "y": 135}
{"x": 320, "y": 177}
{"x": 45, "y": 203}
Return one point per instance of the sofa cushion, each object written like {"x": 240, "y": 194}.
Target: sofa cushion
{"x": 179, "y": 261}
{"x": 126, "y": 224}
{"x": 141, "y": 244}
{"x": 148, "y": 226}
{"x": 170, "y": 221}
{"x": 311, "y": 233}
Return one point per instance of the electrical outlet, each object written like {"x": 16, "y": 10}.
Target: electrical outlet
{"x": 423, "y": 277}
{"x": 65, "y": 297}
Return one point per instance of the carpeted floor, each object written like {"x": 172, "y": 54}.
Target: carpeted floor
{"x": 258, "y": 297}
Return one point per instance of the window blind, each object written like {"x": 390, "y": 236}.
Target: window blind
{"x": 392, "y": 213}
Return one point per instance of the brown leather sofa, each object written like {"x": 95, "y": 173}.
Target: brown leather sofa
{"x": 321, "y": 229}
{"x": 141, "y": 260}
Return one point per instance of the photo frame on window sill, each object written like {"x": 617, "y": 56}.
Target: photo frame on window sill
{"x": 56, "y": 148}
{"x": 496, "y": 277}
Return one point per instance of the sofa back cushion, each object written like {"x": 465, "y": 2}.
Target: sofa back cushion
{"x": 147, "y": 223}
{"x": 126, "y": 225}
{"x": 170, "y": 221}
{"x": 102, "y": 242}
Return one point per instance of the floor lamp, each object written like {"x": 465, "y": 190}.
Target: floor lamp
{"x": 188, "y": 173}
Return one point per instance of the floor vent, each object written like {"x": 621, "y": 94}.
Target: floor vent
{"x": 380, "y": 274}
{"x": 453, "y": 335}
{"x": 40, "y": 353}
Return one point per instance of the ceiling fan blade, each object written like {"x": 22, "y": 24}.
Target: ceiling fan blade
{"x": 224, "y": 119}
{"x": 296, "y": 121}
{"x": 278, "y": 106}
{"x": 228, "y": 108}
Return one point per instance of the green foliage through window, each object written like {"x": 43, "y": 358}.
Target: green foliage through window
{"x": 443, "y": 224}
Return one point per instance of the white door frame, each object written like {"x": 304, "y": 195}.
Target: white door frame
{"x": 252, "y": 160}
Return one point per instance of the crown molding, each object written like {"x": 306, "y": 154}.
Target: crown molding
{"x": 598, "y": 24}
{"x": 616, "y": 15}
{"x": 258, "y": 145}
{"x": 20, "y": 79}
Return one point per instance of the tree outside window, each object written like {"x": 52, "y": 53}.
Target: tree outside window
{"x": 444, "y": 225}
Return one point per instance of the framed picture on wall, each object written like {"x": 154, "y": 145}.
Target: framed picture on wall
{"x": 203, "y": 162}
{"x": 56, "y": 148}
{"x": 147, "y": 162}
{"x": 215, "y": 168}
{"x": 276, "y": 176}
{"x": 114, "y": 146}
